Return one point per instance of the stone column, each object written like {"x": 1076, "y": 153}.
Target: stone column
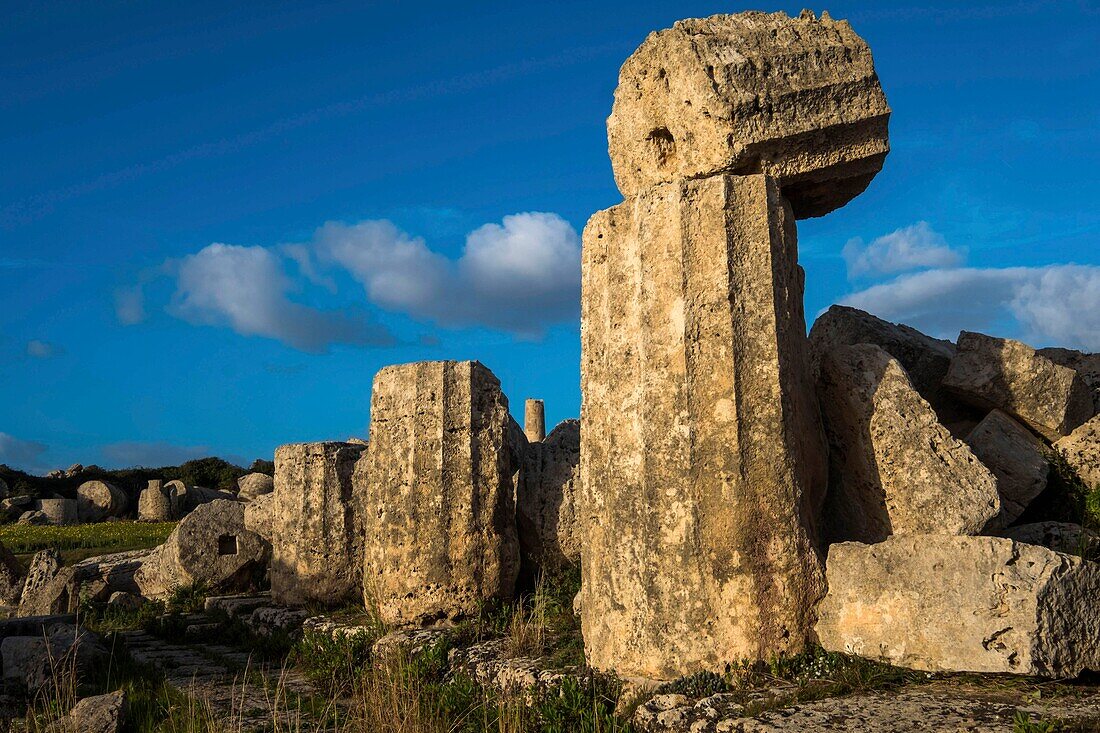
{"x": 702, "y": 458}
{"x": 534, "y": 421}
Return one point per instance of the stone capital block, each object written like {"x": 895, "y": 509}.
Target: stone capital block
{"x": 317, "y": 524}
{"x": 702, "y": 464}
{"x": 440, "y": 525}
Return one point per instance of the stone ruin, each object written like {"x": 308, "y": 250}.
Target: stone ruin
{"x": 735, "y": 489}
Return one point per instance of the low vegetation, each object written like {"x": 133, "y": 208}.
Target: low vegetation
{"x": 78, "y": 541}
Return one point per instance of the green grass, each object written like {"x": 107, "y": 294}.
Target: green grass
{"x": 78, "y": 541}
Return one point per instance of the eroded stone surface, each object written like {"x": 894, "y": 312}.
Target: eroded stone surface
{"x": 58, "y": 511}
{"x": 797, "y": 99}
{"x": 1072, "y": 539}
{"x": 253, "y": 485}
{"x": 546, "y": 500}
{"x": 1081, "y": 449}
{"x": 317, "y": 532}
{"x": 1016, "y": 457}
{"x": 894, "y": 469}
{"x": 156, "y": 503}
{"x": 442, "y": 463}
{"x": 12, "y": 575}
{"x": 1086, "y": 365}
{"x": 999, "y": 373}
{"x": 963, "y": 604}
{"x": 703, "y": 459}
{"x": 97, "y": 500}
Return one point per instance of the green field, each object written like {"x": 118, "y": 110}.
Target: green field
{"x": 78, "y": 541}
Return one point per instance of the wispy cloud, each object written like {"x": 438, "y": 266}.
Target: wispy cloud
{"x": 130, "y": 305}
{"x": 37, "y": 349}
{"x": 914, "y": 247}
{"x": 22, "y": 454}
{"x": 127, "y": 454}
{"x": 246, "y": 289}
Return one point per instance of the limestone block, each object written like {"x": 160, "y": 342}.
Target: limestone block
{"x": 157, "y": 503}
{"x": 893, "y": 468}
{"x": 252, "y": 485}
{"x": 259, "y": 516}
{"x": 177, "y": 492}
{"x": 96, "y": 714}
{"x": 546, "y": 500}
{"x": 534, "y": 420}
{"x": 993, "y": 373}
{"x": 43, "y": 567}
{"x": 97, "y": 500}
{"x": 317, "y": 525}
{"x": 58, "y": 511}
{"x": 1081, "y": 449}
{"x": 442, "y": 463}
{"x": 209, "y": 546}
{"x": 1087, "y": 367}
{"x": 703, "y": 464}
{"x": 1016, "y": 457}
{"x": 12, "y": 575}
{"x": 797, "y": 99}
{"x": 924, "y": 358}
{"x": 963, "y": 604}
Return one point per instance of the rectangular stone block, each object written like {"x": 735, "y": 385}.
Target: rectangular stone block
{"x": 702, "y": 453}
{"x": 440, "y": 527}
{"x": 317, "y": 524}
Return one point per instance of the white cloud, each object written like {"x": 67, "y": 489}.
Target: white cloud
{"x": 21, "y": 454}
{"x": 1053, "y": 305}
{"x": 520, "y": 275}
{"x": 128, "y": 454}
{"x": 130, "y": 305}
{"x": 914, "y": 247}
{"x": 246, "y": 289}
{"x": 37, "y": 349}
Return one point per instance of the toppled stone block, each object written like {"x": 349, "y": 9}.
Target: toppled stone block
{"x": 12, "y": 576}
{"x": 1016, "y": 457}
{"x": 796, "y": 99}
{"x": 546, "y": 500}
{"x": 442, "y": 462}
{"x": 60, "y": 656}
{"x": 34, "y": 518}
{"x": 237, "y": 605}
{"x": 317, "y": 524}
{"x": 268, "y": 620}
{"x": 253, "y": 485}
{"x": 1072, "y": 539}
{"x": 210, "y": 546}
{"x": 1081, "y": 449}
{"x": 43, "y": 567}
{"x": 96, "y": 714}
{"x": 58, "y": 511}
{"x": 894, "y": 469}
{"x": 963, "y": 604}
{"x": 259, "y": 516}
{"x": 703, "y": 462}
{"x": 993, "y": 373}
{"x": 97, "y": 500}
{"x": 115, "y": 572}
{"x": 492, "y": 665}
{"x": 1086, "y": 365}
{"x": 157, "y": 503}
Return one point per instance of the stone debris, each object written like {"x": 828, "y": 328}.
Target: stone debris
{"x": 59, "y": 654}
{"x": 1081, "y": 449}
{"x": 489, "y": 663}
{"x": 97, "y": 714}
{"x": 1016, "y": 457}
{"x": 894, "y": 469}
{"x": 44, "y": 566}
{"x": 98, "y": 500}
{"x": 442, "y": 463}
{"x": 238, "y": 605}
{"x": 406, "y": 644}
{"x": 317, "y": 525}
{"x": 796, "y": 99}
{"x": 209, "y": 546}
{"x": 546, "y": 511}
{"x": 12, "y": 576}
{"x": 963, "y": 604}
{"x": 993, "y": 373}
{"x": 253, "y": 485}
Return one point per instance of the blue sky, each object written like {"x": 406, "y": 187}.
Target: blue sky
{"x": 217, "y": 223}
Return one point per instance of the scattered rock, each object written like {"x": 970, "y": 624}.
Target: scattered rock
{"x": 237, "y": 605}
{"x": 106, "y": 574}
{"x": 4, "y": 489}
{"x": 993, "y": 373}
{"x": 546, "y": 512}
{"x": 1016, "y": 457}
{"x": 441, "y": 537}
{"x": 408, "y": 643}
{"x": 963, "y": 604}
{"x": 43, "y": 567}
{"x": 58, "y": 511}
{"x": 124, "y": 601}
{"x": 894, "y": 469}
{"x": 34, "y": 663}
{"x": 796, "y": 99}
{"x": 97, "y": 500}
{"x": 267, "y": 620}
{"x": 34, "y": 518}
{"x": 253, "y": 485}
{"x": 157, "y": 502}
{"x": 98, "y": 714}
{"x": 1081, "y": 449}
{"x": 12, "y": 575}
{"x": 489, "y": 663}
{"x": 14, "y": 507}
{"x": 317, "y": 525}
{"x": 209, "y": 546}
{"x": 1072, "y": 539}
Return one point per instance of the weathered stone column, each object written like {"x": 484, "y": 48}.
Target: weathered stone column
{"x": 534, "y": 420}
{"x": 703, "y": 464}
{"x": 440, "y": 524}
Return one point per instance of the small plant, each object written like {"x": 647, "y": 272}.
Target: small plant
{"x": 698, "y": 685}
{"x": 1023, "y": 723}
{"x": 333, "y": 662}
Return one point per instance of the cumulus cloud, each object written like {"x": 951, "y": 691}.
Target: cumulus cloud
{"x": 247, "y": 289}
{"x": 37, "y": 349}
{"x": 1057, "y": 304}
{"x": 519, "y": 276}
{"x": 22, "y": 454}
{"x": 127, "y": 454}
{"x": 915, "y": 247}
{"x": 130, "y": 305}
